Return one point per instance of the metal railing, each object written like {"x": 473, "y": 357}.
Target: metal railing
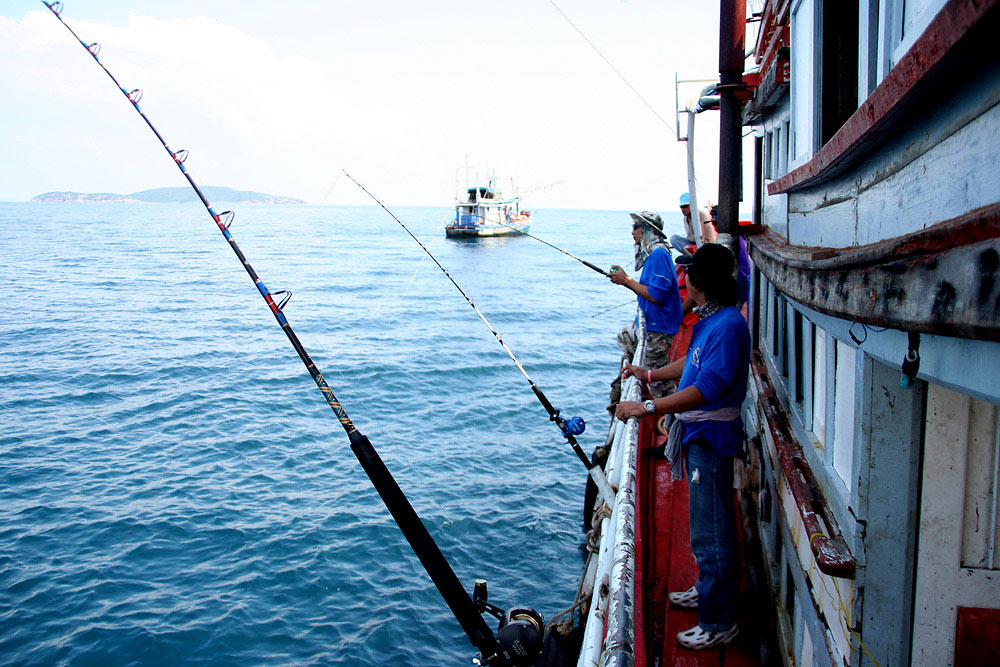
{"x": 610, "y": 578}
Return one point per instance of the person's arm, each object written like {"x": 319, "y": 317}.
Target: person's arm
{"x": 622, "y": 278}
{"x": 671, "y": 371}
{"x": 708, "y": 233}
{"x": 686, "y": 399}
{"x": 688, "y": 304}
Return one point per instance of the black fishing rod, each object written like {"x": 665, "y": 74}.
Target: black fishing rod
{"x": 555, "y": 247}
{"x": 570, "y": 428}
{"x": 519, "y": 635}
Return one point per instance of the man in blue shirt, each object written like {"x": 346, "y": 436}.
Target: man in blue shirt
{"x": 708, "y": 431}
{"x": 656, "y": 292}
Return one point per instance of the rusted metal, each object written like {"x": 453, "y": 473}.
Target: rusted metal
{"x": 826, "y": 541}
{"x": 941, "y": 280}
{"x": 732, "y": 36}
{"x": 951, "y": 29}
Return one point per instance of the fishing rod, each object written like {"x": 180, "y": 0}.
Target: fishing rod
{"x": 518, "y": 641}
{"x": 570, "y": 428}
{"x": 562, "y": 250}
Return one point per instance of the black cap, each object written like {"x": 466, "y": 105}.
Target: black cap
{"x": 713, "y": 259}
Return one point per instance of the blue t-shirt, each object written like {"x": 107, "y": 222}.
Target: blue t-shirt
{"x": 660, "y": 277}
{"x": 718, "y": 363}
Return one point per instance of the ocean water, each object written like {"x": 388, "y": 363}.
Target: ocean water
{"x": 175, "y": 490}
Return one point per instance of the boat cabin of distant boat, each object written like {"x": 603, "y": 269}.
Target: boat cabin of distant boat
{"x": 482, "y": 211}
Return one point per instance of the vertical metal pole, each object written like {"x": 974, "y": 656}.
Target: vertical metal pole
{"x": 693, "y": 183}
{"x": 732, "y": 35}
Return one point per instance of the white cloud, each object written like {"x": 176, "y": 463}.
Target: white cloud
{"x": 400, "y": 114}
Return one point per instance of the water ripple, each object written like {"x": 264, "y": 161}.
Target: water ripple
{"x": 174, "y": 488}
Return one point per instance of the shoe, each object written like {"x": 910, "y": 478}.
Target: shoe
{"x": 685, "y": 599}
{"x": 697, "y": 639}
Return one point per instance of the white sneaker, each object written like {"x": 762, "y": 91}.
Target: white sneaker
{"x": 696, "y": 638}
{"x": 686, "y": 599}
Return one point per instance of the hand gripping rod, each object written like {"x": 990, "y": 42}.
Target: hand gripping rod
{"x": 595, "y": 472}
{"x": 420, "y": 540}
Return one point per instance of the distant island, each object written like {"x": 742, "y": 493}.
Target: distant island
{"x": 170, "y": 196}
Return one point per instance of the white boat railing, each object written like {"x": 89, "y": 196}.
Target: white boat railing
{"x": 611, "y": 575}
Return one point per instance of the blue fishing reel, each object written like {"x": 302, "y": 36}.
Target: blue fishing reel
{"x": 573, "y": 425}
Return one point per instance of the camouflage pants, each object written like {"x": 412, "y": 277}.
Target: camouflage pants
{"x": 657, "y": 355}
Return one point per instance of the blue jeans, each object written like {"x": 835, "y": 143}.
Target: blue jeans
{"x": 714, "y": 539}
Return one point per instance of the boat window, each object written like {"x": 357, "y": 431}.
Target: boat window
{"x": 768, "y": 157}
{"x": 839, "y": 70}
{"x": 783, "y": 342}
{"x": 783, "y": 169}
{"x": 798, "y": 358}
{"x": 907, "y": 20}
{"x": 765, "y": 310}
{"x": 775, "y": 323}
{"x": 843, "y": 410}
{"x": 776, "y": 159}
{"x": 819, "y": 392}
{"x": 868, "y": 33}
{"x": 804, "y": 54}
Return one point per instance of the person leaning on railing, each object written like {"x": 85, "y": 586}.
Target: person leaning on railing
{"x": 706, "y": 433}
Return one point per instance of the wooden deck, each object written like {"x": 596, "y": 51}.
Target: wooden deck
{"x": 664, "y": 563}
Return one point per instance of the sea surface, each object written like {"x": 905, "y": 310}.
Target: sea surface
{"x": 175, "y": 490}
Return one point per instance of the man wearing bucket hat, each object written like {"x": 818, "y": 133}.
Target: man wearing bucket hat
{"x": 657, "y": 295}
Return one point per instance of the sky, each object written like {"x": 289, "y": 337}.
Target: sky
{"x": 279, "y": 97}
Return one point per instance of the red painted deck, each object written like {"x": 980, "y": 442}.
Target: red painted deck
{"x": 664, "y": 563}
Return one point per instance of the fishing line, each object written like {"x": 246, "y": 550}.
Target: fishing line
{"x": 615, "y": 70}
{"x": 466, "y": 609}
{"x": 568, "y": 427}
{"x": 620, "y": 305}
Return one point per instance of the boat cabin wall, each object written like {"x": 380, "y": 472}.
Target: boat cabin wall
{"x": 934, "y": 161}
{"x": 882, "y": 464}
{"x": 840, "y": 51}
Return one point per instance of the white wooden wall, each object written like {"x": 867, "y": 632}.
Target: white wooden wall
{"x": 960, "y": 439}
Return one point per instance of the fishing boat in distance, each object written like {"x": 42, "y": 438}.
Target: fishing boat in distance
{"x": 483, "y": 210}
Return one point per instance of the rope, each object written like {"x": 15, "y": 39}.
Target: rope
{"x": 844, "y": 615}
{"x": 567, "y": 626}
{"x": 593, "y": 546}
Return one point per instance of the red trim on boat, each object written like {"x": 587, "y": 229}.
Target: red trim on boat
{"x": 825, "y": 539}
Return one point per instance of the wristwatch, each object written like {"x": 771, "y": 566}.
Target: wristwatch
{"x": 649, "y": 406}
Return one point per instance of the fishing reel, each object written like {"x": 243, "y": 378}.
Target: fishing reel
{"x": 572, "y": 426}
{"x": 519, "y": 634}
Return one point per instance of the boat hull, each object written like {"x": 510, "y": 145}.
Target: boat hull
{"x": 486, "y": 231}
